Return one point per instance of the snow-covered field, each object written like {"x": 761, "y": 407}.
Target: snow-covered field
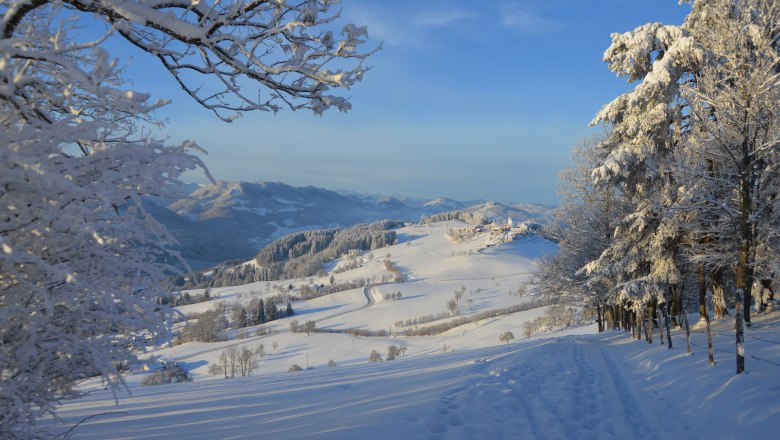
{"x": 434, "y": 267}
{"x": 573, "y": 384}
{"x": 566, "y": 386}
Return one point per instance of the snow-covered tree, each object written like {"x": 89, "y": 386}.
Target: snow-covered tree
{"x": 583, "y": 226}
{"x": 506, "y": 337}
{"x": 80, "y": 258}
{"x": 643, "y": 124}
{"x": 732, "y": 168}
{"x": 692, "y": 147}
{"x": 374, "y": 357}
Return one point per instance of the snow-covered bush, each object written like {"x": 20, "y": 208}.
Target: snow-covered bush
{"x": 461, "y": 235}
{"x": 170, "y": 374}
{"x": 556, "y": 318}
{"x": 395, "y": 271}
{"x": 216, "y": 370}
{"x": 207, "y": 327}
{"x": 506, "y": 336}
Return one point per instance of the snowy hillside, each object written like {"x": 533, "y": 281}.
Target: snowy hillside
{"x": 434, "y": 268}
{"x": 593, "y": 386}
{"x": 461, "y": 383}
{"x": 233, "y": 220}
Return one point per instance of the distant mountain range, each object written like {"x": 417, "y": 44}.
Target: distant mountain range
{"x": 233, "y": 220}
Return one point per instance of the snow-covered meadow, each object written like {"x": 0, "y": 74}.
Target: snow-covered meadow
{"x": 463, "y": 383}
{"x": 575, "y": 384}
{"x": 434, "y": 268}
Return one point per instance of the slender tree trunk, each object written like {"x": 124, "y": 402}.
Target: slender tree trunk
{"x": 613, "y": 324}
{"x": 626, "y": 323}
{"x": 702, "y": 285}
{"x": 599, "y": 318}
{"x": 638, "y": 319}
{"x": 718, "y": 294}
{"x": 654, "y": 313}
{"x": 633, "y": 324}
{"x": 679, "y": 303}
{"x": 668, "y": 332}
{"x": 710, "y": 354}
{"x": 666, "y": 307}
{"x": 740, "y": 334}
{"x": 661, "y": 328}
{"x": 649, "y": 321}
{"x": 675, "y": 305}
{"x": 616, "y": 314}
{"x": 687, "y": 332}
{"x": 744, "y": 271}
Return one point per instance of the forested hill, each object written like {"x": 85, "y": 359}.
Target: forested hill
{"x": 302, "y": 254}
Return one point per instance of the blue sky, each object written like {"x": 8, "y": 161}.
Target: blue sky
{"x": 467, "y": 100}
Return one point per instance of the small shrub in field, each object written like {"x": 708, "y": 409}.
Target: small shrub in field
{"x": 173, "y": 374}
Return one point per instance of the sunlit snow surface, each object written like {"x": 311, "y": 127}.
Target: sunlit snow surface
{"x": 593, "y": 386}
{"x": 574, "y": 384}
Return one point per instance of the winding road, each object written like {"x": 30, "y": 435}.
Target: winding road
{"x": 369, "y": 302}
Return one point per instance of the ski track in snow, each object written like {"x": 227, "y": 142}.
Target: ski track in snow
{"x": 544, "y": 393}
{"x": 605, "y": 386}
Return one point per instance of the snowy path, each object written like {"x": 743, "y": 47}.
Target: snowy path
{"x": 575, "y": 390}
{"x": 369, "y": 302}
{"x": 562, "y": 388}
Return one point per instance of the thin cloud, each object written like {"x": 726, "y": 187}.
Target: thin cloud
{"x": 515, "y": 17}
{"x": 405, "y": 27}
{"x": 442, "y": 17}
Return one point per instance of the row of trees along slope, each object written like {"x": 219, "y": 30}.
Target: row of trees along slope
{"x": 678, "y": 199}
{"x": 303, "y": 254}
{"x": 79, "y": 255}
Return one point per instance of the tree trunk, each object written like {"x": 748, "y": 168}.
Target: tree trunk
{"x": 654, "y": 313}
{"x": 702, "y": 285}
{"x": 744, "y": 271}
{"x": 665, "y": 309}
{"x": 740, "y": 334}
{"x": 687, "y": 332}
{"x": 710, "y": 354}
{"x": 668, "y": 332}
{"x": 614, "y": 313}
{"x": 626, "y": 319}
{"x": 649, "y": 323}
{"x": 599, "y": 318}
{"x": 638, "y": 319}
{"x": 718, "y": 294}
{"x": 676, "y": 304}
